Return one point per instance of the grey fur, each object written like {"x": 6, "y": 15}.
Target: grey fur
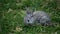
{"x": 36, "y": 17}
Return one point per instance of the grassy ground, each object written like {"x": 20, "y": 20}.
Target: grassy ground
{"x": 13, "y": 24}
{"x": 12, "y": 14}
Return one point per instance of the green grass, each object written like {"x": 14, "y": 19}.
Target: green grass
{"x": 12, "y": 14}
{"x": 13, "y": 23}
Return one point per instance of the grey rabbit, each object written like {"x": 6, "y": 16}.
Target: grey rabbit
{"x": 36, "y": 17}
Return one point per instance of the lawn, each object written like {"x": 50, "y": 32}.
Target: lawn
{"x": 13, "y": 11}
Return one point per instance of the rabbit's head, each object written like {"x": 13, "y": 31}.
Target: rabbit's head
{"x": 29, "y": 18}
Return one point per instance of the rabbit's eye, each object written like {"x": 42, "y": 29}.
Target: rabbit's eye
{"x": 28, "y": 20}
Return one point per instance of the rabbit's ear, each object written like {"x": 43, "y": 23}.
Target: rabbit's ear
{"x": 29, "y": 10}
{"x": 33, "y": 9}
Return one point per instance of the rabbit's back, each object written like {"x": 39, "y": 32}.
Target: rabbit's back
{"x": 40, "y": 13}
{"x": 41, "y": 16}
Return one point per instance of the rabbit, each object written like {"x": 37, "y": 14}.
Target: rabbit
{"x": 36, "y": 17}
